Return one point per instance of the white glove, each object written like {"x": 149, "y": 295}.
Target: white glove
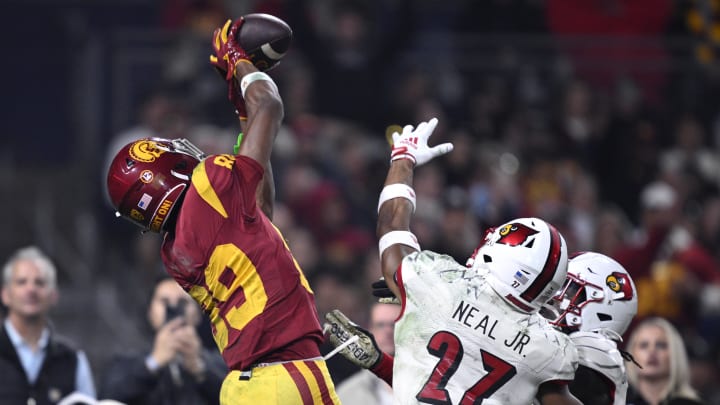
{"x": 413, "y": 145}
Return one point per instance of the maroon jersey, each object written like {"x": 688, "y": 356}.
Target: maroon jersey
{"x": 228, "y": 255}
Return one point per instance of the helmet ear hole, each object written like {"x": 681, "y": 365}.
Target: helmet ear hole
{"x": 182, "y": 165}
{"x": 487, "y": 259}
{"x": 129, "y": 162}
{"x": 604, "y": 317}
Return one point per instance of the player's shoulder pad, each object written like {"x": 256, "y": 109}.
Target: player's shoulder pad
{"x": 565, "y": 362}
{"x": 597, "y": 351}
{"x": 592, "y": 339}
{"x": 429, "y": 260}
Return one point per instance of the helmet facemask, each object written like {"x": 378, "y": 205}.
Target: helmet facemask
{"x": 567, "y": 305}
{"x": 599, "y": 295}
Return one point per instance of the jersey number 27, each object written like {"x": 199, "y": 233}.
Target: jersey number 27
{"x": 448, "y": 348}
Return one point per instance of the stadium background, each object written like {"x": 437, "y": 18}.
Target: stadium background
{"x": 600, "y": 116}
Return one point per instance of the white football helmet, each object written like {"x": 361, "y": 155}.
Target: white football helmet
{"x": 526, "y": 259}
{"x": 599, "y": 295}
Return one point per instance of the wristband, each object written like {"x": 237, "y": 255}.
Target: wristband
{"x": 394, "y": 237}
{"x": 401, "y": 152}
{"x": 249, "y": 78}
{"x": 398, "y": 190}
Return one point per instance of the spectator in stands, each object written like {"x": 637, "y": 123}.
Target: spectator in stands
{"x": 36, "y": 364}
{"x": 665, "y": 374}
{"x": 669, "y": 266}
{"x": 177, "y": 369}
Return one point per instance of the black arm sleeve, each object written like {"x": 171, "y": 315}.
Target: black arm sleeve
{"x": 591, "y": 387}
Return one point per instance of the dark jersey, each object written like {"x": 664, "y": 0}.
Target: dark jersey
{"x": 228, "y": 255}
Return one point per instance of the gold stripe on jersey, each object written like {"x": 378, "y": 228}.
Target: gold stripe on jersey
{"x": 202, "y": 184}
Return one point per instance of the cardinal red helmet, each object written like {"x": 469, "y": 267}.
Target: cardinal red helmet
{"x": 148, "y": 177}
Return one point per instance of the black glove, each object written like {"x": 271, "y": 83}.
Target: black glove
{"x": 383, "y": 293}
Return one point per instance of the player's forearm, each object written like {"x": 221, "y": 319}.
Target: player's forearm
{"x": 258, "y": 93}
{"x": 395, "y": 214}
{"x": 264, "y": 116}
{"x": 264, "y": 111}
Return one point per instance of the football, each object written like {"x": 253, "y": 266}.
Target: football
{"x": 265, "y": 38}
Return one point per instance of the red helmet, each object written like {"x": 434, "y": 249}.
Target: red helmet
{"x": 148, "y": 177}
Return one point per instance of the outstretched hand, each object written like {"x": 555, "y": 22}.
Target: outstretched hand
{"x": 413, "y": 144}
{"x": 365, "y": 352}
{"x": 229, "y": 53}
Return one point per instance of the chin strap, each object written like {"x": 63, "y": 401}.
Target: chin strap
{"x": 628, "y": 357}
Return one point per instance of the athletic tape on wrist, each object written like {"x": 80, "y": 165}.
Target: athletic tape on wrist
{"x": 401, "y": 152}
{"x": 394, "y": 237}
{"x": 397, "y": 190}
{"x": 253, "y": 77}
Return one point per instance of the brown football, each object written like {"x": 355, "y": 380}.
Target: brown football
{"x": 265, "y": 38}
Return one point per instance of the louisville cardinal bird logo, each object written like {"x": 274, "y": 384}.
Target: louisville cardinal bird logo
{"x": 619, "y": 282}
{"x": 515, "y": 234}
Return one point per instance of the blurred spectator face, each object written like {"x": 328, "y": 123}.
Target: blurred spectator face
{"x": 651, "y": 350}
{"x": 169, "y": 293}
{"x": 610, "y": 232}
{"x": 166, "y": 116}
{"x": 304, "y": 249}
{"x": 350, "y": 28}
{"x": 661, "y": 205}
{"x": 689, "y": 134}
{"x": 577, "y": 99}
{"x": 332, "y": 293}
{"x": 28, "y": 292}
{"x": 382, "y": 325}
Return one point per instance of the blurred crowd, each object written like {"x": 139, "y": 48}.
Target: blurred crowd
{"x": 609, "y": 129}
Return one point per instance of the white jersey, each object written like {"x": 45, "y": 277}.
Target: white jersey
{"x": 457, "y": 341}
{"x": 598, "y": 352}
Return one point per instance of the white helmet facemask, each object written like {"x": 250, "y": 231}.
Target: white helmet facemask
{"x": 599, "y": 295}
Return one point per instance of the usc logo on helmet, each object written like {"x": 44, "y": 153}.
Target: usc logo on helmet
{"x": 515, "y": 234}
{"x": 145, "y": 151}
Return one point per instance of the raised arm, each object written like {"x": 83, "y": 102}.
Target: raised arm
{"x": 257, "y": 103}
{"x": 265, "y": 112}
{"x": 397, "y": 200}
